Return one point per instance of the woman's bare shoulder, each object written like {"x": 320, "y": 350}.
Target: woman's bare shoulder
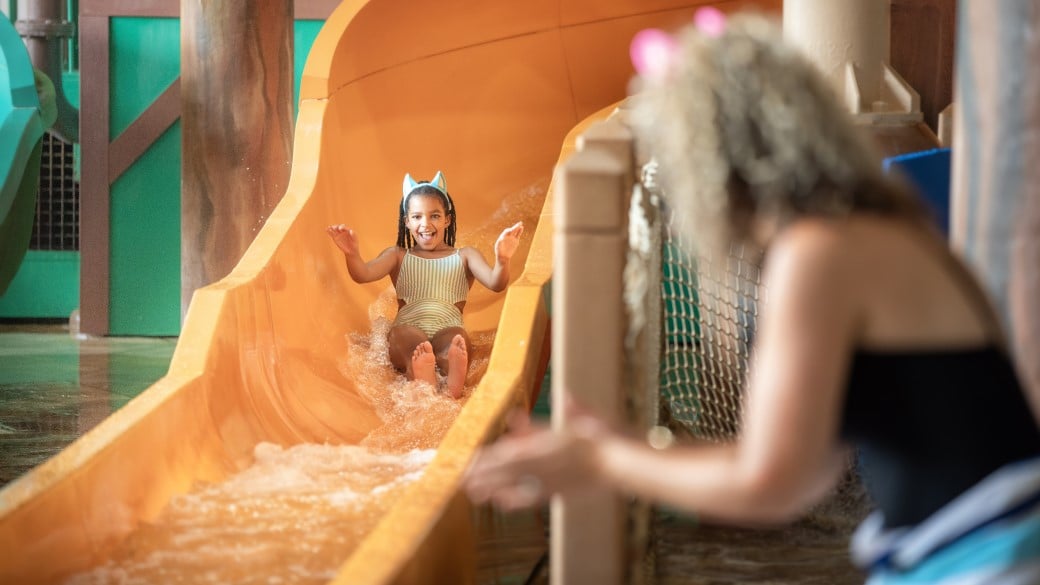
{"x": 856, "y": 239}
{"x": 834, "y": 257}
{"x": 812, "y": 242}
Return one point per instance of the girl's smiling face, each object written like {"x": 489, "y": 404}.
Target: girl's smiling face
{"x": 427, "y": 221}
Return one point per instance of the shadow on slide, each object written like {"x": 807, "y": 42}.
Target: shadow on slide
{"x": 486, "y": 92}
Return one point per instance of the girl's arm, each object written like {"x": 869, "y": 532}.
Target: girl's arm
{"x": 360, "y": 271}
{"x": 788, "y": 455}
{"x": 495, "y": 278}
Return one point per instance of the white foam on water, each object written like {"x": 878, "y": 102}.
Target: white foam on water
{"x": 292, "y": 517}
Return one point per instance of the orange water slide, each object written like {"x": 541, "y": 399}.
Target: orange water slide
{"x": 485, "y": 91}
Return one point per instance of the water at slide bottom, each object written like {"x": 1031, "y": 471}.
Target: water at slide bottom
{"x": 296, "y": 514}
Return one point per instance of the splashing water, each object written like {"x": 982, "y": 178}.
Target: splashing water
{"x": 291, "y": 518}
{"x": 414, "y": 415}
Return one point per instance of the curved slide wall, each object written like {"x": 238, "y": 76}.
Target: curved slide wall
{"x": 21, "y": 133}
{"x": 486, "y": 92}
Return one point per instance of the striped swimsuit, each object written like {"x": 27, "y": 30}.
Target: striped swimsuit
{"x": 430, "y": 287}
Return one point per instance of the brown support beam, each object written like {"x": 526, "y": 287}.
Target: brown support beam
{"x": 304, "y": 9}
{"x": 236, "y": 119}
{"x": 146, "y": 129}
{"x": 140, "y": 8}
{"x": 94, "y": 185}
{"x": 314, "y": 9}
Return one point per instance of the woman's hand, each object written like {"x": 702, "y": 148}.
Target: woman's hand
{"x": 344, "y": 237}
{"x": 531, "y": 463}
{"x": 508, "y": 241}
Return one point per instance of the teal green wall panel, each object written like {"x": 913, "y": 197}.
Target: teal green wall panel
{"x": 46, "y": 286}
{"x": 304, "y": 33}
{"x": 145, "y": 244}
{"x": 145, "y": 60}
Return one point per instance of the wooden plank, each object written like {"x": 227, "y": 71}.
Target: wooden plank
{"x": 142, "y": 132}
{"x": 140, "y": 8}
{"x": 304, "y": 9}
{"x": 94, "y": 185}
{"x": 314, "y": 9}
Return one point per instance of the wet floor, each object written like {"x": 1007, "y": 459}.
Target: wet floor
{"x": 55, "y": 387}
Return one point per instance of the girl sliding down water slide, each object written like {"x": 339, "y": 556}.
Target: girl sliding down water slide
{"x": 432, "y": 279}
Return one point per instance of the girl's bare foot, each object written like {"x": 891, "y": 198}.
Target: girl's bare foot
{"x": 458, "y": 364}
{"x": 424, "y": 364}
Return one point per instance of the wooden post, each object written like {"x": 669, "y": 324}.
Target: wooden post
{"x": 995, "y": 207}
{"x": 236, "y": 99}
{"x": 95, "y": 205}
{"x": 590, "y": 242}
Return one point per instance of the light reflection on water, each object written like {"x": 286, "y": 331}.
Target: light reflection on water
{"x": 54, "y": 387}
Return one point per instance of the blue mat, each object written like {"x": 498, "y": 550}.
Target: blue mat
{"x": 929, "y": 172}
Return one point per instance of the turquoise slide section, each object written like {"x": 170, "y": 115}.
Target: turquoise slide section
{"x": 21, "y": 134}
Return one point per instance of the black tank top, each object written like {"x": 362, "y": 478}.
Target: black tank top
{"x": 929, "y": 424}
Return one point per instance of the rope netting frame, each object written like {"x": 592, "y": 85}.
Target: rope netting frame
{"x": 703, "y": 321}
{"x": 690, "y": 324}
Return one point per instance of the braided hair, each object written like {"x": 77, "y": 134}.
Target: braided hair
{"x": 404, "y": 237}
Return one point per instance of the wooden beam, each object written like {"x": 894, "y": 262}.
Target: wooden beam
{"x": 140, "y": 8}
{"x": 94, "y": 184}
{"x": 142, "y": 132}
{"x": 305, "y": 9}
{"x": 314, "y": 9}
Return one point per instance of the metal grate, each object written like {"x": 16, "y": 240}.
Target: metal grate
{"x": 56, "y": 226}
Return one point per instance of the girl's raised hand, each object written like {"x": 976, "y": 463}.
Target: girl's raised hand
{"x": 344, "y": 237}
{"x": 508, "y": 241}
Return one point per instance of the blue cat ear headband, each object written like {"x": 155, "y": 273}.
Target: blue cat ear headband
{"x": 437, "y": 183}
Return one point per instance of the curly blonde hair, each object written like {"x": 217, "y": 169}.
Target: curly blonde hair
{"x": 743, "y": 127}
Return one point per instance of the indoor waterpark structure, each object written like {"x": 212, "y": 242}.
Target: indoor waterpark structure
{"x": 193, "y": 389}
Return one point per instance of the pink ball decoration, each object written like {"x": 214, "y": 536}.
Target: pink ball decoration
{"x": 710, "y": 21}
{"x": 652, "y": 52}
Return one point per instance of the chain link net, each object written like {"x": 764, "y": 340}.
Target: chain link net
{"x": 708, "y": 314}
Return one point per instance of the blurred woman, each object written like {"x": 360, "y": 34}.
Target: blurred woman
{"x": 873, "y": 338}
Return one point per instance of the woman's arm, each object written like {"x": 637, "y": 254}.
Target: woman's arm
{"x": 360, "y": 271}
{"x": 788, "y": 454}
{"x": 495, "y": 278}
